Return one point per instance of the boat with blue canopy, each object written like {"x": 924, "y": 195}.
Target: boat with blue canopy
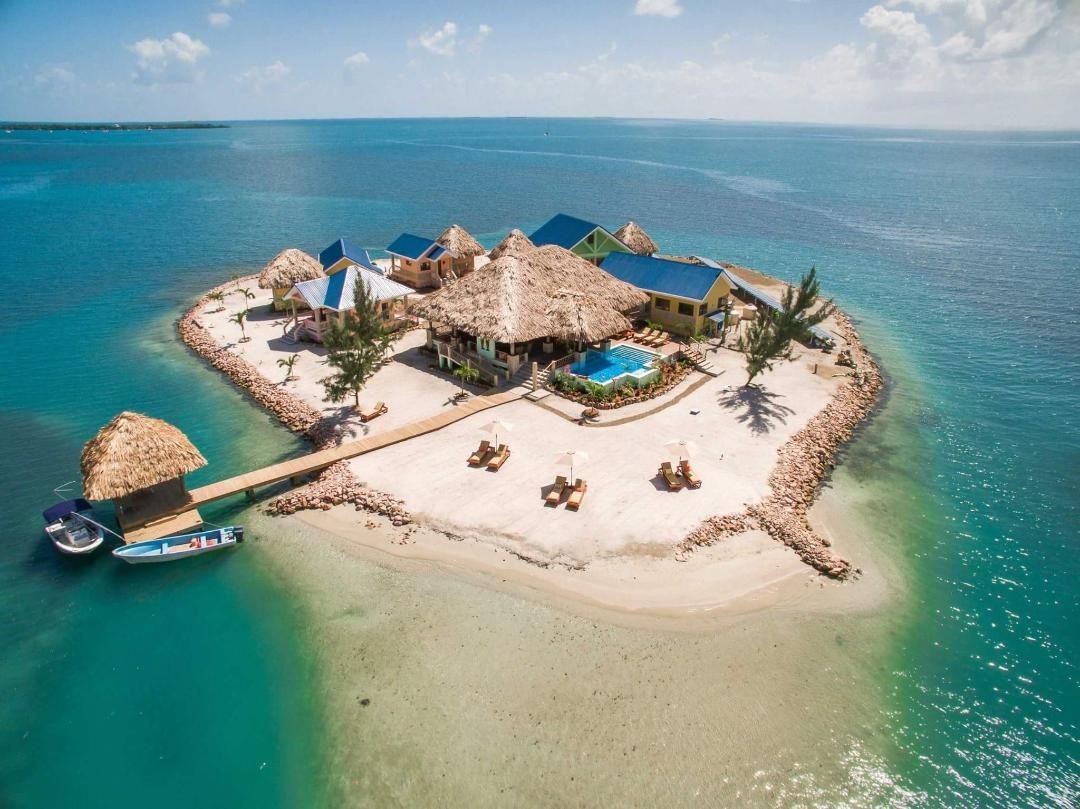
{"x": 169, "y": 549}
{"x": 72, "y": 528}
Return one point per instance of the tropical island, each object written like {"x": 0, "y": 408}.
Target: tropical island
{"x": 576, "y": 399}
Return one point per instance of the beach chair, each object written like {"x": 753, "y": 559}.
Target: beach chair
{"x": 669, "y": 476}
{"x": 644, "y": 336}
{"x": 481, "y": 453}
{"x": 577, "y": 495}
{"x": 658, "y": 340}
{"x": 499, "y": 458}
{"x": 692, "y": 480}
{"x": 375, "y": 412}
{"x": 554, "y": 497}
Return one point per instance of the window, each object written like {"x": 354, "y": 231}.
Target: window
{"x": 663, "y": 304}
{"x": 425, "y": 266}
{"x": 686, "y": 309}
{"x": 701, "y": 309}
{"x": 591, "y": 239}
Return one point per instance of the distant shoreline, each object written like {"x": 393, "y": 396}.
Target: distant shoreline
{"x": 114, "y": 127}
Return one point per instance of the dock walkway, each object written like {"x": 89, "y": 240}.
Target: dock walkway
{"x": 315, "y": 462}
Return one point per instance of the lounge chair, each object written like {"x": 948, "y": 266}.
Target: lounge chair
{"x": 669, "y": 476}
{"x": 646, "y": 335}
{"x": 499, "y": 458}
{"x": 554, "y": 497}
{"x": 692, "y": 480}
{"x": 375, "y": 412}
{"x": 481, "y": 453}
{"x": 657, "y": 340}
{"x": 577, "y": 495}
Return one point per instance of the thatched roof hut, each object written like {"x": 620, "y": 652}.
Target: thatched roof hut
{"x": 632, "y": 235}
{"x": 460, "y": 242}
{"x": 134, "y": 452}
{"x": 577, "y": 318}
{"x": 508, "y": 300}
{"x": 514, "y": 242}
{"x": 290, "y": 266}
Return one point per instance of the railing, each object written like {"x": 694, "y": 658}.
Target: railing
{"x": 482, "y": 365}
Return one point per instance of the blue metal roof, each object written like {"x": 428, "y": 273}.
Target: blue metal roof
{"x": 565, "y": 231}
{"x": 661, "y": 275}
{"x": 415, "y": 248}
{"x": 773, "y": 303}
{"x": 343, "y": 249}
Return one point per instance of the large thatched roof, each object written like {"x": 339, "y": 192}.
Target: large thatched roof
{"x": 514, "y": 242}
{"x": 289, "y": 267}
{"x": 134, "y": 452}
{"x": 636, "y": 239}
{"x": 575, "y": 317}
{"x": 510, "y": 299}
{"x": 460, "y": 242}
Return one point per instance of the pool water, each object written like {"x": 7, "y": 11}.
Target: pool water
{"x": 604, "y": 367}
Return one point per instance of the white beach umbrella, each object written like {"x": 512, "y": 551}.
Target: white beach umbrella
{"x": 683, "y": 447}
{"x": 570, "y": 457}
{"x": 497, "y": 426}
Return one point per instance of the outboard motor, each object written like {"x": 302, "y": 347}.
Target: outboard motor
{"x": 238, "y": 533}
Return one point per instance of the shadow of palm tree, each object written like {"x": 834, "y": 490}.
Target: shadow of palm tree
{"x": 345, "y": 423}
{"x": 755, "y": 407}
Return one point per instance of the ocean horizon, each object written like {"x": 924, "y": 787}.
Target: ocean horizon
{"x": 951, "y": 249}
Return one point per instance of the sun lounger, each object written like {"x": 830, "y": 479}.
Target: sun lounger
{"x": 577, "y": 495}
{"x": 554, "y": 497}
{"x": 658, "y": 340}
{"x": 481, "y": 453}
{"x": 499, "y": 458}
{"x": 692, "y": 480}
{"x": 377, "y": 410}
{"x": 644, "y": 336}
{"x": 669, "y": 476}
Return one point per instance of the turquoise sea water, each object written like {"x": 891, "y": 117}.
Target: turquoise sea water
{"x": 957, "y": 252}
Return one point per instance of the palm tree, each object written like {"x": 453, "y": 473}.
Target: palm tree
{"x": 218, "y": 297}
{"x": 287, "y": 363}
{"x": 466, "y": 373}
{"x": 248, "y": 296}
{"x": 238, "y": 318}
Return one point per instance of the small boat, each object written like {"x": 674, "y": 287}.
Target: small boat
{"x": 169, "y": 549}
{"x": 71, "y": 527}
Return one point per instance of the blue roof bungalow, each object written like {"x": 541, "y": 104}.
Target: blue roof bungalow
{"x": 585, "y": 239}
{"x": 331, "y": 296}
{"x": 420, "y": 262}
{"x": 342, "y": 254}
{"x": 683, "y": 297}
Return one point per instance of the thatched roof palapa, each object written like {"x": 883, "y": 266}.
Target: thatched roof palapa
{"x": 510, "y": 299}
{"x": 289, "y": 267}
{"x": 460, "y": 242}
{"x": 576, "y": 318}
{"x": 514, "y": 242}
{"x": 134, "y": 452}
{"x": 632, "y": 235}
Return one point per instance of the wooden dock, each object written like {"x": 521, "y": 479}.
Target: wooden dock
{"x": 296, "y": 468}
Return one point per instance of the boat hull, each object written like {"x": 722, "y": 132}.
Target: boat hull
{"x": 170, "y": 549}
{"x": 71, "y": 528}
{"x": 57, "y": 539}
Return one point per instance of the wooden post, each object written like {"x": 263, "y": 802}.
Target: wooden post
{"x": 249, "y": 494}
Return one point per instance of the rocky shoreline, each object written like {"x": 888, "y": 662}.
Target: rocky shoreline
{"x": 336, "y": 484}
{"x": 802, "y": 465}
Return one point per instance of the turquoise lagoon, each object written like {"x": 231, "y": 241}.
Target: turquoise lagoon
{"x": 957, "y": 252}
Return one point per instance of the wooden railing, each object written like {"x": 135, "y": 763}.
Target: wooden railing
{"x": 493, "y": 373}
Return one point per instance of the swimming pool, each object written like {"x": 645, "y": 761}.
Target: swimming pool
{"x": 605, "y": 367}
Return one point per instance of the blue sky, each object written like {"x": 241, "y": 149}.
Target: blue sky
{"x": 952, "y": 63}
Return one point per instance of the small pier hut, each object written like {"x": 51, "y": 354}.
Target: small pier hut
{"x": 514, "y": 242}
{"x": 139, "y": 463}
{"x": 633, "y": 236}
{"x": 288, "y": 267}
{"x": 464, "y": 247}
{"x": 420, "y": 262}
{"x": 331, "y": 297}
{"x": 502, "y": 315}
{"x": 585, "y": 239}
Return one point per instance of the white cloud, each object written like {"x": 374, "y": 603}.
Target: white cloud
{"x": 482, "y": 33}
{"x": 219, "y": 19}
{"x": 658, "y": 8}
{"x": 169, "y": 60}
{"x": 441, "y": 41}
{"x": 719, "y": 42}
{"x": 54, "y": 75}
{"x": 259, "y": 77}
{"x": 357, "y": 60}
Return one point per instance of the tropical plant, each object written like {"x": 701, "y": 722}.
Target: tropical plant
{"x": 768, "y": 340}
{"x": 238, "y": 318}
{"x": 218, "y": 297}
{"x": 248, "y": 295}
{"x": 287, "y": 363}
{"x": 355, "y": 347}
{"x": 466, "y": 373}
